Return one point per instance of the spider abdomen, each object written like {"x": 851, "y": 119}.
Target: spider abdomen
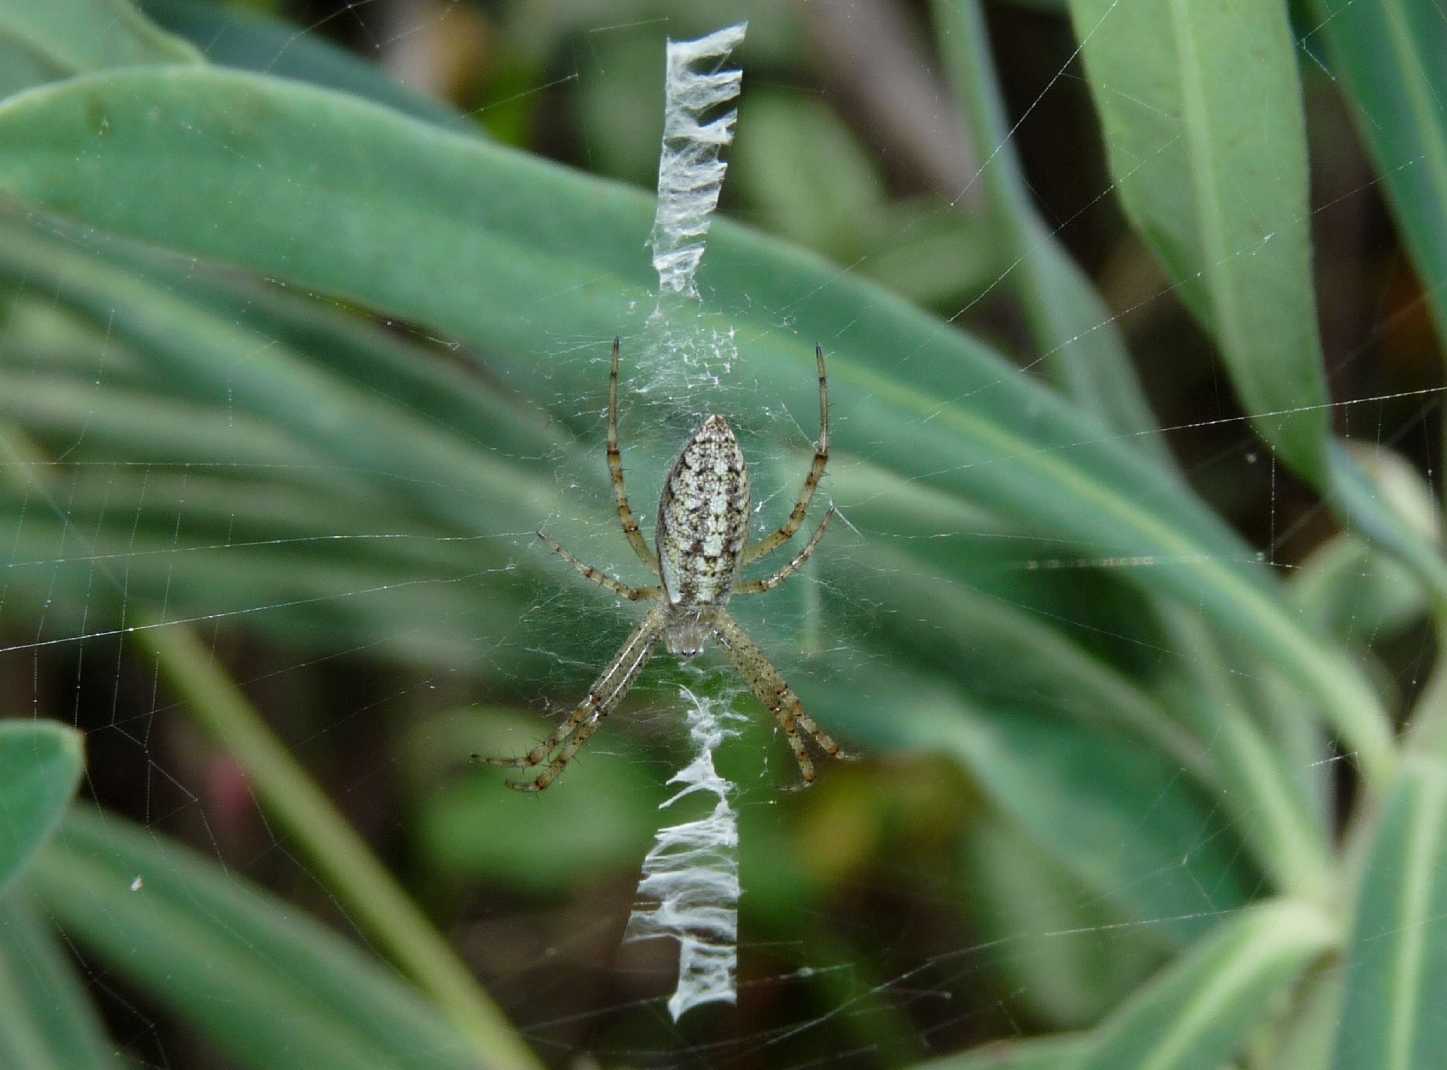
{"x": 703, "y": 517}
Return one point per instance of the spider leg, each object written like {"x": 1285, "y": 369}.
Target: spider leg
{"x": 602, "y": 579}
{"x": 770, "y": 689}
{"x": 772, "y": 542}
{"x": 607, "y": 692}
{"x": 770, "y": 582}
{"x": 615, "y": 468}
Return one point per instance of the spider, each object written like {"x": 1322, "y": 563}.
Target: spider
{"x": 703, "y": 526}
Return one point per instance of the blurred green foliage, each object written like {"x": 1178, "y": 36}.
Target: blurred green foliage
{"x": 294, "y": 358}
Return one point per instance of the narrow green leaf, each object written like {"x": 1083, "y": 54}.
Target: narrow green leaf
{"x": 1080, "y": 340}
{"x": 40, "y": 764}
{"x": 515, "y": 255}
{"x": 66, "y": 37}
{"x": 208, "y": 356}
{"x": 1071, "y": 321}
{"x": 1077, "y": 337}
{"x": 1396, "y": 970}
{"x": 49, "y": 1022}
{"x": 1037, "y": 1053}
{"x": 269, "y": 986}
{"x": 1306, "y": 1039}
{"x": 22, "y": 67}
{"x": 466, "y": 824}
{"x": 232, "y": 528}
{"x": 250, "y": 39}
{"x": 994, "y": 642}
{"x": 809, "y": 175}
{"x": 1360, "y": 595}
{"x": 157, "y": 430}
{"x": 1348, "y": 585}
{"x": 1306, "y": 755}
{"x": 1204, "y": 128}
{"x": 933, "y": 257}
{"x": 1081, "y": 794}
{"x": 351, "y": 871}
{"x": 1196, "y": 1014}
{"x": 1268, "y": 799}
{"x": 1427, "y": 733}
{"x": 1045, "y": 930}
{"x": 1387, "y": 56}
{"x": 1068, "y": 315}
{"x": 311, "y": 594}
{"x": 424, "y": 380}
{"x": 1207, "y": 143}
{"x": 1373, "y": 513}
{"x": 812, "y": 180}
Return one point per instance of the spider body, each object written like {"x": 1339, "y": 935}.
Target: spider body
{"x": 703, "y": 521}
{"x": 701, "y": 547}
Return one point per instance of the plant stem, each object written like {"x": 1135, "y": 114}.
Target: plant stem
{"x": 345, "y": 863}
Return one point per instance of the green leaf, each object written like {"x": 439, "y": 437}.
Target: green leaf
{"x": 1036, "y": 1053}
{"x": 601, "y": 821}
{"x": 40, "y": 764}
{"x": 1372, "y": 510}
{"x": 1207, "y": 144}
{"x": 1081, "y": 795}
{"x": 513, "y": 255}
{"x": 1387, "y": 56}
{"x": 269, "y": 986}
{"x": 1196, "y": 1014}
{"x": 1073, "y": 325}
{"x": 798, "y": 164}
{"x": 249, "y": 39}
{"x": 1396, "y": 968}
{"x": 806, "y": 171}
{"x": 381, "y": 907}
{"x": 22, "y": 67}
{"x": 1049, "y": 929}
{"x": 1355, "y": 591}
{"x": 323, "y": 583}
{"x": 1306, "y": 1038}
{"x": 59, "y": 38}
{"x": 423, "y": 379}
{"x": 1080, "y": 339}
{"x": 49, "y": 1022}
{"x": 1077, "y": 337}
{"x": 933, "y": 257}
{"x": 1201, "y": 107}
{"x": 1268, "y": 799}
{"x": 155, "y": 429}
{"x": 205, "y": 355}
{"x": 994, "y": 640}
{"x": 1348, "y": 585}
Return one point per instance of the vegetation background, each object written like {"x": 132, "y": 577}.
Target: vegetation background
{"x": 1135, "y": 313}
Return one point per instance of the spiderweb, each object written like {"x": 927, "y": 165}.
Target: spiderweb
{"x": 690, "y": 877}
{"x": 891, "y": 913}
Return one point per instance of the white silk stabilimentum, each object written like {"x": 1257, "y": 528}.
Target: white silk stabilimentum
{"x": 691, "y": 876}
{"x": 690, "y": 172}
{"x": 690, "y": 885}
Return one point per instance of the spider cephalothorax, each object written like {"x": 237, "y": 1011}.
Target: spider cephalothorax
{"x": 703, "y": 529}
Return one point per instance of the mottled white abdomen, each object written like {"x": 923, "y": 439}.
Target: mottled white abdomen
{"x": 703, "y": 517}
